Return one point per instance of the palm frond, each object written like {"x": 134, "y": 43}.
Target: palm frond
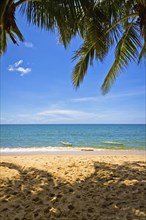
{"x": 51, "y": 14}
{"x": 17, "y": 32}
{"x": 3, "y": 42}
{"x": 3, "y": 6}
{"x": 142, "y": 53}
{"x": 86, "y": 54}
{"x": 143, "y": 50}
{"x": 127, "y": 49}
{"x": 95, "y": 45}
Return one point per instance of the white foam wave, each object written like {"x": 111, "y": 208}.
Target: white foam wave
{"x": 41, "y": 149}
{"x": 112, "y": 142}
{"x": 35, "y": 149}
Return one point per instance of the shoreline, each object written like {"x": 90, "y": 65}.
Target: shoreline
{"x": 73, "y": 152}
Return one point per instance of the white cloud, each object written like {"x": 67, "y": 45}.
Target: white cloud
{"x": 55, "y": 111}
{"x": 18, "y": 63}
{"x": 28, "y": 44}
{"x": 109, "y": 96}
{"x": 13, "y": 66}
{"x": 17, "y": 68}
{"x": 71, "y": 116}
{"x": 67, "y": 116}
{"x": 23, "y": 71}
{"x": 85, "y": 99}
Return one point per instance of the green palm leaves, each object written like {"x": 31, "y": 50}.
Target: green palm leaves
{"x": 61, "y": 15}
{"x": 123, "y": 26}
{"x": 8, "y": 26}
{"x": 126, "y": 51}
{"x": 102, "y": 25}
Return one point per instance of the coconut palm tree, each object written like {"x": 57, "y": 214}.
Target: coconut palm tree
{"x": 123, "y": 27}
{"x": 101, "y": 24}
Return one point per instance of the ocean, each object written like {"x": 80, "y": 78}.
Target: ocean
{"x": 44, "y": 137}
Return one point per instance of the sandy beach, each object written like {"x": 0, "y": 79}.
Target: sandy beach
{"x": 81, "y": 187}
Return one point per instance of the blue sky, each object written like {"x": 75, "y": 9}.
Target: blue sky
{"x": 36, "y": 85}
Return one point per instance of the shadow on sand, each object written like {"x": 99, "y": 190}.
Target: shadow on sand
{"x": 112, "y": 192}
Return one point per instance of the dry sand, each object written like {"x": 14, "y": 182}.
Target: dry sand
{"x": 73, "y": 187}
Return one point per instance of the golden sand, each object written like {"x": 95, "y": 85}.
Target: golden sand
{"x": 73, "y": 187}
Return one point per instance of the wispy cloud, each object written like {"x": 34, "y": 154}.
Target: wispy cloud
{"x": 17, "y": 68}
{"x": 18, "y": 63}
{"x": 85, "y": 99}
{"x": 23, "y": 71}
{"x": 65, "y": 114}
{"x": 77, "y": 116}
{"x": 126, "y": 94}
{"x": 72, "y": 116}
{"x": 28, "y": 44}
{"x": 110, "y": 96}
{"x": 56, "y": 116}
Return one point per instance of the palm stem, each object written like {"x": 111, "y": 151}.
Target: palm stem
{"x": 120, "y": 20}
{"x": 2, "y": 8}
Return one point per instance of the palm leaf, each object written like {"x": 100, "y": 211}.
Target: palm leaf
{"x": 96, "y": 44}
{"x": 3, "y": 42}
{"x": 49, "y": 14}
{"x": 142, "y": 53}
{"x": 17, "y": 32}
{"x": 3, "y": 6}
{"x": 143, "y": 50}
{"x": 127, "y": 49}
{"x": 86, "y": 54}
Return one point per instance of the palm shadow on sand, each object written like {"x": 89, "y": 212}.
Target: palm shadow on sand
{"x": 112, "y": 192}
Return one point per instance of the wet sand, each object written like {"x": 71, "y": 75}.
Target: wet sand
{"x": 81, "y": 187}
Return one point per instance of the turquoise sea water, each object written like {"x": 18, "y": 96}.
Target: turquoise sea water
{"x": 96, "y": 136}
